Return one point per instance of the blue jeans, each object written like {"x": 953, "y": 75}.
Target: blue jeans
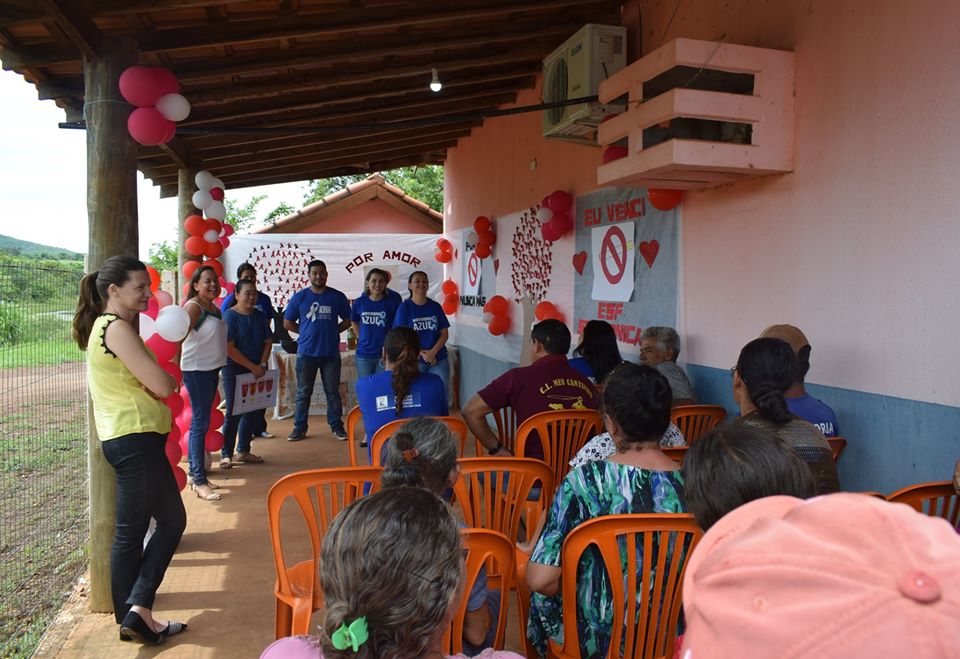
{"x": 202, "y": 387}
{"x": 145, "y": 488}
{"x": 441, "y": 368}
{"x": 245, "y": 424}
{"x": 368, "y": 366}
{"x": 307, "y": 368}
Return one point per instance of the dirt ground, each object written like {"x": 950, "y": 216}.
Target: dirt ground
{"x": 222, "y": 577}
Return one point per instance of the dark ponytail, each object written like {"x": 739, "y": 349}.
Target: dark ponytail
{"x": 768, "y": 367}
{"x": 402, "y": 347}
{"x": 93, "y": 293}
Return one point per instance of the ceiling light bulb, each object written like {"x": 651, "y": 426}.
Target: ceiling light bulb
{"x": 435, "y": 85}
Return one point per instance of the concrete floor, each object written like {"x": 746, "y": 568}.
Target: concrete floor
{"x": 222, "y": 577}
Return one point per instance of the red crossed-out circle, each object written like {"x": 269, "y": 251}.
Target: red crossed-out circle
{"x": 616, "y": 253}
{"x": 473, "y": 269}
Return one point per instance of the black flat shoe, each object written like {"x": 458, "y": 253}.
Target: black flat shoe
{"x": 136, "y": 629}
{"x": 173, "y": 628}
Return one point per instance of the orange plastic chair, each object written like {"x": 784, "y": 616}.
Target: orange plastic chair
{"x": 937, "y": 499}
{"x": 506, "y": 421}
{"x": 676, "y": 453}
{"x": 837, "y": 444}
{"x": 695, "y": 421}
{"x": 320, "y": 495}
{"x": 495, "y": 551}
{"x": 493, "y": 492}
{"x": 523, "y": 600}
{"x": 562, "y": 433}
{"x": 353, "y": 420}
{"x": 457, "y": 426}
{"x": 652, "y": 598}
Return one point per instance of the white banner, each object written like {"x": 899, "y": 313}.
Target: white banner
{"x": 253, "y": 393}
{"x": 472, "y": 270}
{"x": 281, "y": 260}
{"x": 613, "y": 262}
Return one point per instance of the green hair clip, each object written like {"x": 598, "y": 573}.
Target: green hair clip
{"x": 351, "y": 637}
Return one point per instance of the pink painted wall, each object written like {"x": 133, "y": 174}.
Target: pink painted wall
{"x": 857, "y": 246}
{"x": 374, "y": 216}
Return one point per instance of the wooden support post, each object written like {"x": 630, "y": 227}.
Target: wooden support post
{"x": 185, "y": 208}
{"x": 112, "y": 213}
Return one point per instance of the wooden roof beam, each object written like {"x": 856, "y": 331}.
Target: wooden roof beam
{"x": 70, "y": 17}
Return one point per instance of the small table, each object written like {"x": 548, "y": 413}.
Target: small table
{"x": 287, "y": 393}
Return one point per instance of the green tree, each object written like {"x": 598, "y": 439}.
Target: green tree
{"x": 424, "y": 183}
{"x": 242, "y": 217}
{"x": 163, "y": 255}
{"x": 282, "y": 210}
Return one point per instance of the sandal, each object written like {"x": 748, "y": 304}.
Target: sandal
{"x": 225, "y": 463}
{"x": 206, "y": 493}
{"x": 249, "y": 458}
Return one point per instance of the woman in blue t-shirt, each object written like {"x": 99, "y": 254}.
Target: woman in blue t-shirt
{"x": 401, "y": 391}
{"x": 428, "y": 320}
{"x": 248, "y": 348}
{"x": 372, "y": 317}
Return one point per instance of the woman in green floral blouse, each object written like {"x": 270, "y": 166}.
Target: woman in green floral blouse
{"x": 637, "y": 478}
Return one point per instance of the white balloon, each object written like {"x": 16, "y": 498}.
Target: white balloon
{"x": 218, "y": 183}
{"x": 147, "y": 327}
{"x": 215, "y": 210}
{"x": 544, "y": 215}
{"x": 472, "y": 237}
{"x": 164, "y": 299}
{"x": 201, "y": 199}
{"x": 173, "y": 107}
{"x": 487, "y": 317}
{"x": 211, "y": 236}
{"x": 204, "y": 180}
{"x": 173, "y": 323}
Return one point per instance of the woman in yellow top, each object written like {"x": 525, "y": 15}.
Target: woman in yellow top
{"x": 126, "y": 385}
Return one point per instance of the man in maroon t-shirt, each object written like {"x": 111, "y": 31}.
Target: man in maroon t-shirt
{"x": 549, "y": 383}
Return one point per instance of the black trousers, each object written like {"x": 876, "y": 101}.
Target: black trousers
{"x": 146, "y": 488}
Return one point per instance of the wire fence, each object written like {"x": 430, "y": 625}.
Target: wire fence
{"x": 43, "y": 465}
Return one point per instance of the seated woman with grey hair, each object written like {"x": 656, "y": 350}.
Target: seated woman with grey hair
{"x": 659, "y": 348}
{"x": 391, "y": 568}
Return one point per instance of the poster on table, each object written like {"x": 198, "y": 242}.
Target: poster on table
{"x": 626, "y": 264}
{"x": 253, "y": 393}
{"x": 281, "y": 260}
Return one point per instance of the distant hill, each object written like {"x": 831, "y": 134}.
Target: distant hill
{"x": 16, "y": 247}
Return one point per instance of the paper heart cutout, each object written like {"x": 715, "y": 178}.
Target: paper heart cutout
{"x": 649, "y": 251}
{"x": 496, "y": 266}
{"x": 579, "y": 260}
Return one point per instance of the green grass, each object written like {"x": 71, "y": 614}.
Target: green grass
{"x": 39, "y": 353}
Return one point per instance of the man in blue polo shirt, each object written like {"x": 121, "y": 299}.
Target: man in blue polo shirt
{"x": 312, "y": 313}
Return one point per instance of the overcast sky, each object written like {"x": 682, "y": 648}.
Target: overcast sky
{"x": 43, "y": 178}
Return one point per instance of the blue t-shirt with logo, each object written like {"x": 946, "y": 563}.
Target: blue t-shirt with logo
{"x": 319, "y": 315}
{"x": 378, "y": 404}
{"x": 248, "y": 333}
{"x": 814, "y": 411}
{"x": 264, "y": 305}
{"x": 375, "y": 319}
{"x": 426, "y": 320}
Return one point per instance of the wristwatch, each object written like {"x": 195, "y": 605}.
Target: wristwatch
{"x": 496, "y": 449}
{"x": 263, "y": 364}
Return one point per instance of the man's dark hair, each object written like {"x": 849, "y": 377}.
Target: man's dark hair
{"x": 638, "y": 398}
{"x": 554, "y": 335}
{"x": 316, "y": 263}
{"x": 803, "y": 363}
{"x": 243, "y": 267}
{"x": 736, "y": 464}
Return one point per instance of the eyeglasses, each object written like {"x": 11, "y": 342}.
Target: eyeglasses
{"x": 647, "y": 350}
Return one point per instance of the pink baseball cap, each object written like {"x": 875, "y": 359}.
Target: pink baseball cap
{"x": 843, "y": 575}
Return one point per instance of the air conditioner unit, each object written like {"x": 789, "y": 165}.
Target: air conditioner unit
{"x": 575, "y": 70}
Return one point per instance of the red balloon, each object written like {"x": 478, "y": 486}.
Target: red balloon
{"x": 153, "y": 308}
{"x": 181, "y": 477}
{"x": 226, "y": 243}
{"x": 173, "y": 371}
{"x": 143, "y": 85}
{"x": 499, "y": 325}
{"x": 497, "y": 305}
{"x": 214, "y": 250}
{"x": 548, "y": 232}
{"x": 482, "y": 250}
{"x": 216, "y": 194}
{"x": 544, "y": 310}
{"x": 189, "y": 267}
{"x": 444, "y": 245}
{"x": 154, "y": 278}
{"x": 559, "y": 201}
{"x": 614, "y": 152}
{"x": 163, "y": 349}
{"x": 174, "y": 434}
{"x": 450, "y": 303}
{"x": 487, "y": 238}
{"x": 173, "y": 401}
{"x": 216, "y": 265}
{"x": 443, "y": 257}
{"x": 170, "y": 134}
{"x": 186, "y": 292}
{"x": 213, "y": 225}
{"x": 665, "y": 200}
{"x": 561, "y": 224}
{"x": 195, "y": 245}
{"x": 213, "y": 441}
{"x": 216, "y": 400}
{"x": 195, "y": 225}
{"x": 147, "y": 126}
{"x": 216, "y": 418}
{"x": 174, "y": 452}
{"x": 184, "y": 420}
{"x": 481, "y": 224}
{"x": 165, "y": 81}
{"x": 449, "y": 287}
{"x": 227, "y": 229}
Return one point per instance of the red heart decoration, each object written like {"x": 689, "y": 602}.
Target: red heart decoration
{"x": 496, "y": 266}
{"x": 579, "y": 260}
{"x": 649, "y": 251}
